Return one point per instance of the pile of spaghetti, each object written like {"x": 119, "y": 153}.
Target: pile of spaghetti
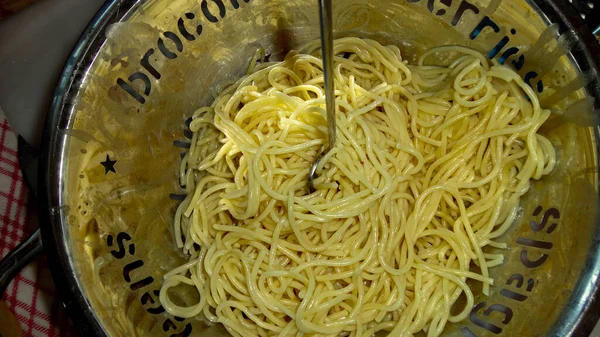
{"x": 428, "y": 168}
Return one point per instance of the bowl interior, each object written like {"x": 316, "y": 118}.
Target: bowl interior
{"x": 121, "y": 134}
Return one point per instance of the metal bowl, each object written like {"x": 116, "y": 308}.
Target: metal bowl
{"x": 117, "y": 125}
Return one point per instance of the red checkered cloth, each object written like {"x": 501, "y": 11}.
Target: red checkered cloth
{"x": 31, "y": 295}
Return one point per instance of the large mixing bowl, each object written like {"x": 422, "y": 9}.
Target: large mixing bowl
{"x": 117, "y": 127}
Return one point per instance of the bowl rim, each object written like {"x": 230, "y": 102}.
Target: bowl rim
{"x": 581, "y": 313}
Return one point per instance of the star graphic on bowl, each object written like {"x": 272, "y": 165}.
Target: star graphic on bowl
{"x": 109, "y": 165}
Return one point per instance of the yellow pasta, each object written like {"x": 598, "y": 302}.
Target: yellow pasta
{"x": 428, "y": 169}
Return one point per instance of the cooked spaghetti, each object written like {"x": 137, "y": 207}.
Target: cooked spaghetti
{"x": 427, "y": 171}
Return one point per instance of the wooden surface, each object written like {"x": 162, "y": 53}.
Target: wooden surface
{"x": 9, "y": 7}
